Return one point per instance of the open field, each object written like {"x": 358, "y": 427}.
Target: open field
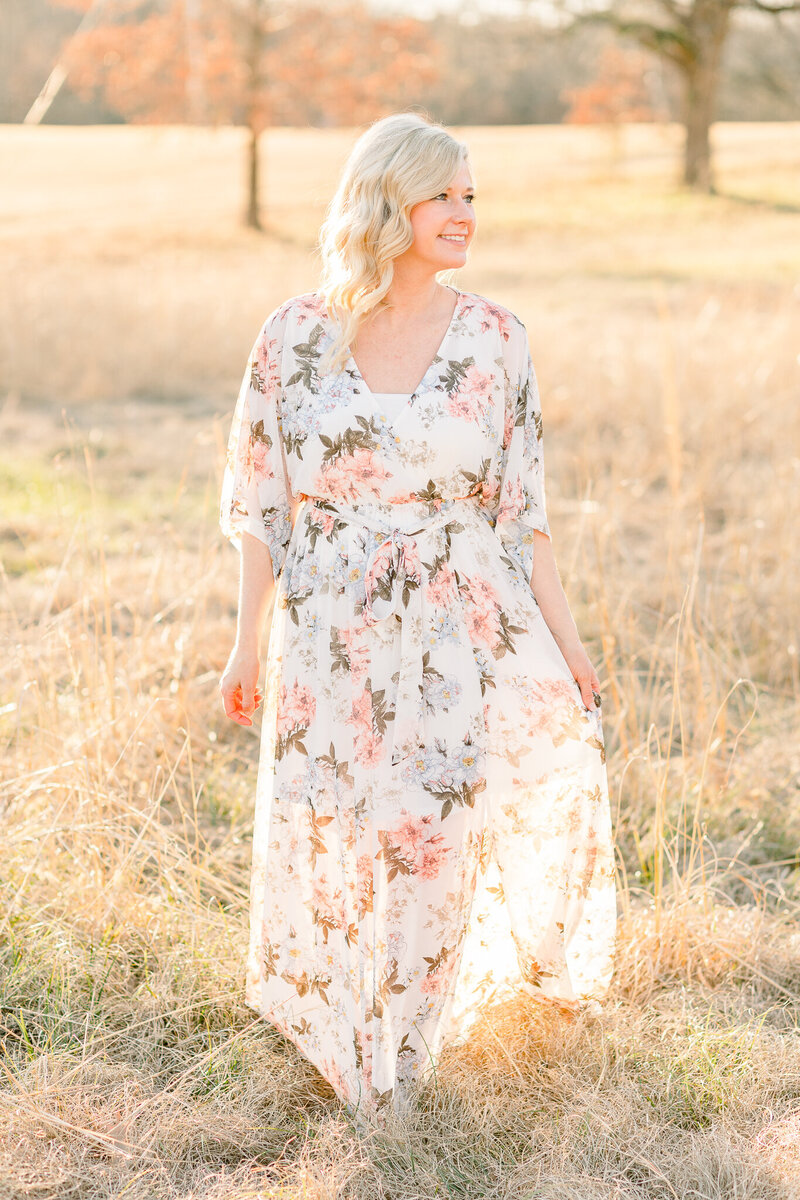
{"x": 664, "y": 329}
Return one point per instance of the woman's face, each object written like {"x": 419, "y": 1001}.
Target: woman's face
{"x": 445, "y": 225}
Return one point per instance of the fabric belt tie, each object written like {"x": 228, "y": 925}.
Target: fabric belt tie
{"x": 395, "y": 580}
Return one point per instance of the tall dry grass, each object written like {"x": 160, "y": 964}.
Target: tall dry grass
{"x": 663, "y": 328}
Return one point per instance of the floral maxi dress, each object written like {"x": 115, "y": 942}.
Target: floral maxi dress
{"x": 432, "y": 825}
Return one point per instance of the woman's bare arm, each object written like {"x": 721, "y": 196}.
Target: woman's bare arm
{"x": 239, "y": 682}
{"x": 256, "y": 583}
{"x": 549, "y": 594}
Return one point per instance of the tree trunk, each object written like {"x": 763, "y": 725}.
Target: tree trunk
{"x": 708, "y": 28}
{"x": 253, "y": 60}
{"x": 196, "y": 112}
{"x": 252, "y": 219}
{"x": 697, "y": 173}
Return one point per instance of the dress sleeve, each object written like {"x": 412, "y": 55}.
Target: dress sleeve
{"x": 255, "y": 493}
{"x": 521, "y": 503}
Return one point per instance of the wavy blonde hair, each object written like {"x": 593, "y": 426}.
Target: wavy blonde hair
{"x": 399, "y": 161}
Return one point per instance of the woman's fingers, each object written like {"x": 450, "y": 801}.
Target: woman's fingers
{"x": 239, "y": 704}
{"x": 239, "y": 688}
{"x": 592, "y": 700}
{"x": 231, "y": 700}
{"x": 590, "y": 689}
{"x": 584, "y": 675}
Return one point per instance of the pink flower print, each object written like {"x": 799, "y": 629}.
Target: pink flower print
{"x": 548, "y": 705}
{"x": 294, "y": 790}
{"x": 319, "y": 892}
{"x": 512, "y": 502}
{"x": 408, "y": 497}
{"x": 483, "y": 626}
{"x": 472, "y": 396}
{"x": 369, "y": 749}
{"x": 303, "y": 705}
{"x": 351, "y": 476}
{"x": 365, "y": 884}
{"x": 233, "y": 451}
{"x": 356, "y": 651}
{"x": 363, "y": 1039}
{"x": 262, "y": 358}
{"x": 431, "y": 985}
{"x": 265, "y": 363}
{"x": 246, "y": 461}
{"x": 347, "y": 821}
{"x": 481, "y": 611}
{"x": 493, "y": 316}
{"x": 426, "y": 854}
{"x": 262, "y": 467}
{"x": 323, "y": 520}
{"x": 432, "y": 858}
{"x": 437, "y": 981}
{"x": 488, "y": 490}
{"x": 359, "y": 663}
{"x": 311, "y": 306}
{"x": 410, "y": 553}
{"x": 482, "y": 592}
{"x": 461, "y": 405}
{"x": 441, "y": 589}
{"x": 361, "y": 712}
{"x": 337, "y": 1079}
{"x": 297, "y": 708}
{"x": 331, "y": 907}
{"x": 381, "y": 562}
{"x": 409, "y": 835}
{"x": 508, "y": 427}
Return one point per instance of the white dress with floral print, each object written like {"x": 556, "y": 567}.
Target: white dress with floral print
{"x": 432, "y": 823}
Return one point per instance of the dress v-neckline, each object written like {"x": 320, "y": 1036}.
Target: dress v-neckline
{"x": 413, "y": 396}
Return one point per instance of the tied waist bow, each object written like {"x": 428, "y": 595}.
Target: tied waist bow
{"x": 396, "y": 576}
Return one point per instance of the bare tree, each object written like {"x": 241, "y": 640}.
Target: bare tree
{"x": 245, "y": 62}
{"x": 690, "y": 35}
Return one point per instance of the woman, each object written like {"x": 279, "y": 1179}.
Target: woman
{"x": 432, "y": 826}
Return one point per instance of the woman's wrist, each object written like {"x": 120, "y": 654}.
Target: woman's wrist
{"x": 568, "y": 639}
{"x": 247, "y": 641}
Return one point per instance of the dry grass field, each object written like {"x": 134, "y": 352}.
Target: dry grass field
{"x": 664, "y": 328}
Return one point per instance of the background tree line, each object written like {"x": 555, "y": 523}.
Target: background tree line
{"x": 489, "y": 70}
{"x": 258, "y": 63}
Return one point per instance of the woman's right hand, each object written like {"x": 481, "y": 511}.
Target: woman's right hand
{"x": 241, "y": 695}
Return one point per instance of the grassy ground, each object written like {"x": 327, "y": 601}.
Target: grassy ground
{"x": 664, "y": 331}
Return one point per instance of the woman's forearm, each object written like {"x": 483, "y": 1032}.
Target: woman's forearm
{"x": 549, "y": 593}
{"x": 256, "y": 583}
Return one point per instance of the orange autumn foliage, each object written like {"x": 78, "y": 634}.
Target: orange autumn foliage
{"x": 618, "y": 93}
{"x": 214, "y": 62}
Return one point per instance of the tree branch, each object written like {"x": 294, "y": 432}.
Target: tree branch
{"x": 677, "y": 45}
{"x": 678, "y": 12}
{"x": 772, "y": 9}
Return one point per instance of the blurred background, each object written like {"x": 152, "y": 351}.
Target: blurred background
{"x": 166, "y": 166}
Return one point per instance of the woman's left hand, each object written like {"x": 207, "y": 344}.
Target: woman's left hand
{"x": 584, "y": 673}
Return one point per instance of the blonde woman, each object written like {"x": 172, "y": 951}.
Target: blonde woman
{"x": 432, "y": 826}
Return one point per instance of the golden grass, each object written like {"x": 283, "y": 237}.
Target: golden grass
{"x": 663, "y": 327}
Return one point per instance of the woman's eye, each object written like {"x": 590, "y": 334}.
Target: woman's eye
{"x": 470, "y": 198}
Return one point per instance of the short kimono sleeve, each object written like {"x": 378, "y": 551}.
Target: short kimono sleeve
{"x": 521, "y": 503}
{"x": 255, "y": 494}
